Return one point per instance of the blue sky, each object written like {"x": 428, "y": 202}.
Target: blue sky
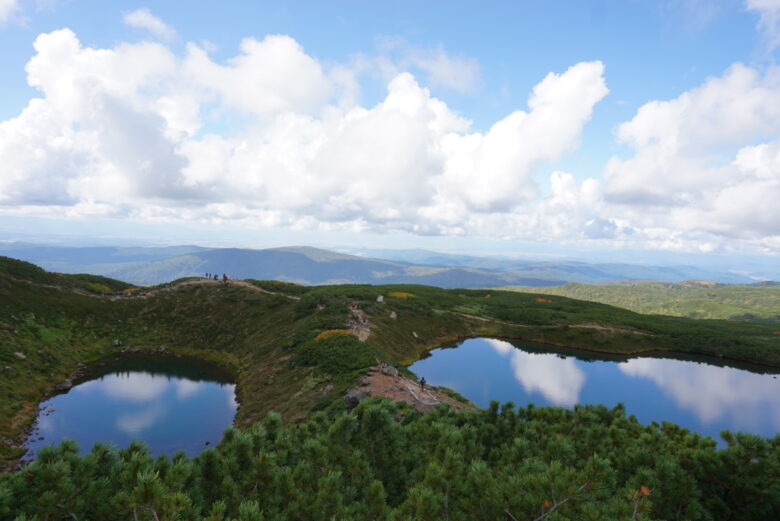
{"x": 566, "y": 126}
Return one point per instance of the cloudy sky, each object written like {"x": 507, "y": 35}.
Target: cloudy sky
{"x": 613, "y": 124}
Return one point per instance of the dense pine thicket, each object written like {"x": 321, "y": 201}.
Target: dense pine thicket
{"x": 382, "y": 461}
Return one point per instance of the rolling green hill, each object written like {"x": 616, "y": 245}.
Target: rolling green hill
{"x": 269, "y": 336}
{"x": 695, "y": 299}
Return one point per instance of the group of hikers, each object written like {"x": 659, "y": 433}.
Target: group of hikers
{"x": 214, "y": 276}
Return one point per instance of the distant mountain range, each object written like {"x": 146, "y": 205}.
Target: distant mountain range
{"x": 312, "y": 266}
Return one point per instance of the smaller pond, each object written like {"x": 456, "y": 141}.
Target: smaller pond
{"x": 700, "y": 396}
{"x": 171, "y": 404}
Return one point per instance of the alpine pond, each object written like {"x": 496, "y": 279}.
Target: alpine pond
{"x": 696, "y": 394}
{"x": 171, "y": 404}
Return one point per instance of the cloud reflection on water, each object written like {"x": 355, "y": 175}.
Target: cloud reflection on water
{"x": 558, "y": 380}
{"x": 230, "y": 392}
{"x": 132, "y": 387}
{"x": 713, "y": 393}
{"x": 186, "y": 388}
{"x": 135, "y": 422}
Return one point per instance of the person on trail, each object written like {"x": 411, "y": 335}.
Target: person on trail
{"x": 224, "y": 278}
{"x": 215, "y": 277}
{"x": 422, "y": 383}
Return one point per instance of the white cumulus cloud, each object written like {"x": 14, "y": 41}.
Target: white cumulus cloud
{"x": 273, "y": 137}
{"x": 697, "y": 168}
{"x": 269, "y": 76}
{"x": 144, "y": 19}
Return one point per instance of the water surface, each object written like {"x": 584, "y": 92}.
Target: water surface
{"x": 703, "y": 397}
{"x": 170, "y": 404}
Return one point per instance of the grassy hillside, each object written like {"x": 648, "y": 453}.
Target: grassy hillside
{"x": 693, "y": 299}
{"x": 14, "y": 269}
{"x": 270, "y": 334}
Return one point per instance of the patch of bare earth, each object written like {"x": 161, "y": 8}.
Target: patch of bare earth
{"x": 611, "y": 329}
{"x": 400, "y": 389}
{"x": 358, "y": 323}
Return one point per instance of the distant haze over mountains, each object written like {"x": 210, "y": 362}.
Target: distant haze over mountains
{"x": 312, "y": 266}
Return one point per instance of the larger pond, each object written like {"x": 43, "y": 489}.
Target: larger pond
{"x": 703, "y": 397}
{"x": 170, "y": 404}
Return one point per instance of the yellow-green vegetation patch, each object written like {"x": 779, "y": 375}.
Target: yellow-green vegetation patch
{"x": 97, "y": 287}
{"x": 400, "y": 295}
{"x": 330, "y": 332}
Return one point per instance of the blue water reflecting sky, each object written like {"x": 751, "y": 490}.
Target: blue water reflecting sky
{"x": 702, "y": 397}
{"x": 167, "y": 412}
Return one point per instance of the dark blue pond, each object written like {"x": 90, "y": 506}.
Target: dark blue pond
{"x": 703, "y": 397}
{"x": 170, "y": 404}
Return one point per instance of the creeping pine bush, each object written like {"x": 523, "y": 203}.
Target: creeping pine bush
{"x": 383, "y": 462}
{"x": 336, "y": 353}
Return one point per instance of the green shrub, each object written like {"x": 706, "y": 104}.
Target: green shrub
{"x": 336, "y": 354}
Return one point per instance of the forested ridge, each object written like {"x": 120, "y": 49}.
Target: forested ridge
{"x": 695, "y": 299}
{"x": 383, "y": 461}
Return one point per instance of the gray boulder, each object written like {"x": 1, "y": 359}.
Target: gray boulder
{"x": 389, "y": 370}
{"x": 353, "y": 398}
{"x": 64, "y": 386}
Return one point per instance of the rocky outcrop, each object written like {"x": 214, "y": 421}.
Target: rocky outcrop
{"x": 386, "y": 381}
{"x": 358, "y": 323}
{"x": 64, "y": 386}
{"x": 388, "y": 370}
{"x": 354, "y": 397}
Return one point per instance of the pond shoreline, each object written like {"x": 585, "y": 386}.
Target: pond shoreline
{"x": 85, "y": 372}
{"x": 453, "y": 341}
{"x": 703, "y": 396}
